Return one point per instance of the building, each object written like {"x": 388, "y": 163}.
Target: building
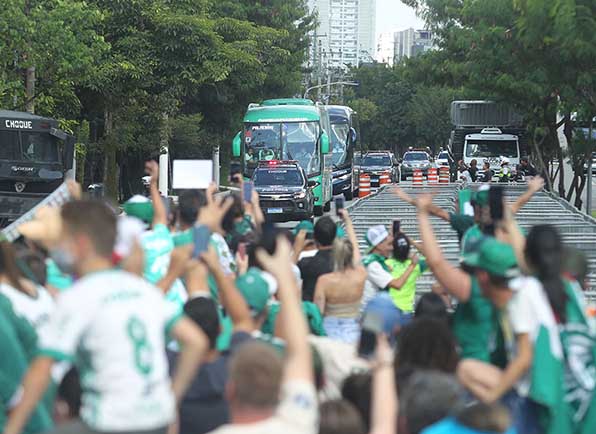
{"x": 345, "y": 33}
{"x": 385, "y": 48}
{"x": 412, "y": 42}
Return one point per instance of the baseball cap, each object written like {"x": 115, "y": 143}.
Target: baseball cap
{"x": 496, "y": 258}
{"x": 140, "y": 207}
{"x": 481, "y": 196}
{"x": 382, "y": 305}
{"x": 304, "y": 225}
{"x": 376, "y": 235}
{"x": 255, "y": 290}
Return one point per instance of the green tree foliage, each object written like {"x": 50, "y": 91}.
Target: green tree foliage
{"x": 146, "y": 74}
{"x": 537, "y": 56}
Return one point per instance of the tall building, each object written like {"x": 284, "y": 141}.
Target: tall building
{"x": 345, "y": 34}
{"x": 412, "y": 42}
{"x": 385, "y": 48}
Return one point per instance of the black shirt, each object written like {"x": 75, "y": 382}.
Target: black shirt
{"x": 204, "y": 407}
{"x": 310, "y": 270}
{"x": 473, "y": 172}
{"x": 528, "y": 170}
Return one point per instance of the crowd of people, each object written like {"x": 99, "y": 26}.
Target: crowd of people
{"x": 204, "y": 317}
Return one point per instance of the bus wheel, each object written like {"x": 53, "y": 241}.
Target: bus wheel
{"x": 327, "y": 207}
{"x": 349, "y": 195}
{"x": 318, "y": 211}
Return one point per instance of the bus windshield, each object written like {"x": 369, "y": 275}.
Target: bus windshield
{"x": 491, "y": 148}
{"x": 28, "y": 146}
{"x": 283, "y": 141}
{"x": 339, "y": 140}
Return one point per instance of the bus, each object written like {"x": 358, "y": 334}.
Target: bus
{"x": 344, "y": 139}
{"x": 289, "y": 129}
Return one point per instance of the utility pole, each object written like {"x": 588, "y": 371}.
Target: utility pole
{"x": 590, "y": 158}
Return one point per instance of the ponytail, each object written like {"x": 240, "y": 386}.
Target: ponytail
{"x": 8, "y": 265}
{"x": 544, "y": 253}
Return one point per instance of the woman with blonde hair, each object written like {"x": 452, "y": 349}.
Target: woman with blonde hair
{"x": 339, "y": 294}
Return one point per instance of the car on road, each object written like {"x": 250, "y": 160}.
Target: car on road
{"x": 377, "y": 163}
{"x": 284, "y": 190}
{"x": 415, "y": 160}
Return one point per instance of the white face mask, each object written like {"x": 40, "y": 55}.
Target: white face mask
{"x": 64, "y": 260}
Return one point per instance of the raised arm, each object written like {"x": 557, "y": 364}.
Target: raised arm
{"x": 194, "y": 346}
{"x": 34, "y": 386}
{"x": 454, "y": 280}
{"x": 230, "y": 297}
{"x": 160, "y": 216}
{"x": 534, "y": 186}
{"x": 384, "y": 403}
{"x": 345, "y": 215}
{"x": 401, "y": 280}
{"x": 432, "y": 209}
{"x": 178, "y": 265}
{"x": 298, "y": 365}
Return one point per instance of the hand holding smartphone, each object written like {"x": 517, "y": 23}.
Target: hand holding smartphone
{"x": 201, "y": 235}
{"x": 372, "y": 325}
{"x": 247, "y": 189}
{"x": 396, "y": 227}
{"x": 339, "y": 205}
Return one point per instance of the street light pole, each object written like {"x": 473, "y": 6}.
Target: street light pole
{"x": 344, "y": 83}
{"x": 591, "y": 149}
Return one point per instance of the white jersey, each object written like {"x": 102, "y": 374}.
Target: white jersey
{"x": 36, "y": 310}
{"x": 112, "y": 323}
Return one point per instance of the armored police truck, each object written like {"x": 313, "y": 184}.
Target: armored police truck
{"x": 35, "y": 159}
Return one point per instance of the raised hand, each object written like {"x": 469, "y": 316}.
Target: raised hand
{"x": 152, "y": 169}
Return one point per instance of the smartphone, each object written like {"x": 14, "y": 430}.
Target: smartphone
{"x": 247, "y": 191}
{"x": 339, "y": 204}
{"x": 372, "y": 325}
{"x": 200, "y": 236}
{"x": 495, "y": 200}
{"x": 396, "y": 227}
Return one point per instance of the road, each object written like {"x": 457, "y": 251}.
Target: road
{"x": 290, "y": 225}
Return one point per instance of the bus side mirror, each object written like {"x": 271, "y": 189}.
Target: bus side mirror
{"x": 236, "y": 145}
{"x": 353, "y": 135}
{"x": 69, "y": 153}
{"x": 324, "y": 143}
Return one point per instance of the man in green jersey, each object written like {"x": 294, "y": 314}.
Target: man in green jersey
{"x": 469, "y": 227}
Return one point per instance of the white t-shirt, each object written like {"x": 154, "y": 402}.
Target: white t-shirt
{"x": 527, "y": 311}
{"x": 377, "y": 279}
{"x": 114, "y": 323}
{"x": 226, "y": 259}
{"x": 297, "y": 413}
{"x": 36, "y": 310}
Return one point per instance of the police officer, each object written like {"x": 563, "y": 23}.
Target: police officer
{"x": 505, "y": 172}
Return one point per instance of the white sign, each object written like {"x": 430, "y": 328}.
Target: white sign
{"x": 192, "y": 174}
{"x": 22, "y": 125}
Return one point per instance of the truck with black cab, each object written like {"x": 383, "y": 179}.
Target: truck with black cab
{"x": 36, "y": 157}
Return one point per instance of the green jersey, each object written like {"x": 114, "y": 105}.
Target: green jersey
{"x": 461, "y": 223}
{"x": 474, "y": 325}
{"x": 17, "y": 339}
{"x": 404, "y": 296}
{"x": 157, "y": 245}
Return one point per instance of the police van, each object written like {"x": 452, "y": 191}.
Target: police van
{"x": 284, "y": 190}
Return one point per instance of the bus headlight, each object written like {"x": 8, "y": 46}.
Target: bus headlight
{"x": 300, "y": 195}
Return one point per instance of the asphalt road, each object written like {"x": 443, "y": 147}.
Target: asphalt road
{"x": 291, "y": 224}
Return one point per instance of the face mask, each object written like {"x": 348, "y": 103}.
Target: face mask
{"x": 64, "y": 260}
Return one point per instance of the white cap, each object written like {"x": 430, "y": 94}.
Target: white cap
{"x": 504, "y": 160}
{"x": 376, "y": 235}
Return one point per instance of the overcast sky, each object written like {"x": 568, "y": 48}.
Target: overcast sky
{"x": 394, "y": 15}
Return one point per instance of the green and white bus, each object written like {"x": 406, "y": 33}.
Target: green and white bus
{"x": 289, "y": 129}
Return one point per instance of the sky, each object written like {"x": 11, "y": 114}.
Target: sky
{"x": 394, "y": 15}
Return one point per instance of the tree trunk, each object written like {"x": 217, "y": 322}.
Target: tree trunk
{"x": 579, "y": 191}
{"x": 30, "y": 89}
{"x": 110, "y": 173}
